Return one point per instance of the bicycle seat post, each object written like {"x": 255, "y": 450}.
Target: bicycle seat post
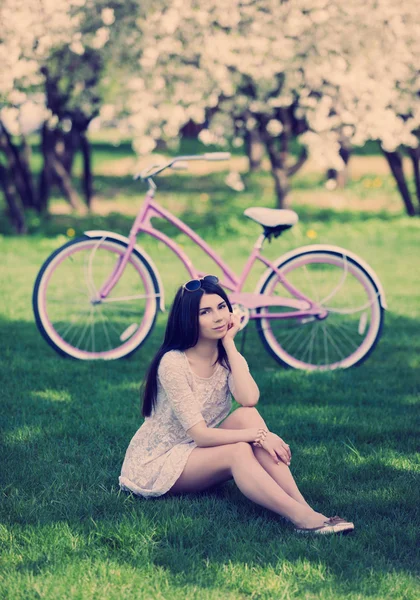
{"x": 260, "y": 241}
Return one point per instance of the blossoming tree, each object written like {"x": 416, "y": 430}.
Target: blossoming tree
{"x": 329, "y": 73}
{"x": 316, "y": 70}
{"x": 52, "y": 56}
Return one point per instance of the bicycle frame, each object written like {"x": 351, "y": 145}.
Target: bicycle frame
{"x": 302, "y": 305}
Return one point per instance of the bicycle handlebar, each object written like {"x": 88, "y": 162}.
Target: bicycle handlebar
{"x": 216, "y": 156}
{"x": 153, "y": 170}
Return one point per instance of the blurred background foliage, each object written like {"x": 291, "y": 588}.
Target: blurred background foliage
{"x": 318, "y": 105}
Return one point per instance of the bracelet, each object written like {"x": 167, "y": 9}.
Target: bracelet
{"x": 259, "y": 440}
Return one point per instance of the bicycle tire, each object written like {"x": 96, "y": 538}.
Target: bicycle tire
{"x": 277, "y": 348}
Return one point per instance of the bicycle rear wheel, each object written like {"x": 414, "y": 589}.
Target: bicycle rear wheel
{"x": 347, "y": 329}
{"x": 71, "y": 317}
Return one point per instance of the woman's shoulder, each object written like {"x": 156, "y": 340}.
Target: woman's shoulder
{"x": 172, "y": 358}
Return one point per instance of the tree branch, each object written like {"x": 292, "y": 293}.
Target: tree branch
{"x": 397, "y": 169}
{"x": 17, "y": 214}
{"x": 299, "y": 163}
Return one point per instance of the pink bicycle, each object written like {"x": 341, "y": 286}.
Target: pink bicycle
{"x": 317, "y": 307}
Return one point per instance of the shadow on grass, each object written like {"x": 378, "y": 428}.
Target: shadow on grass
{"x": 66, "y": 425}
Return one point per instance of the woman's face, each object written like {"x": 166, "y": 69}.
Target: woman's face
{"x": 213, "y": 317}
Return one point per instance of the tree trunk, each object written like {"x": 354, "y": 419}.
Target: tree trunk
{"x": 254, "y": 149}
{"x": 87, "y": 170}
{"x": 278, "y": 169}
{"x": 300, "y": 161}
{"x": 54, "y": 171}
{"x": 66, "y": 186}
{"x": 16, "y": 212}
{"x": 66, "y": 146}
{"x": 415, "y": 158}
{"x": 26, "y": 171}
{"x": 281, "y": 185}
{"x": 396, "y": 166}
{"x": 45, "y": 179}
{"x": 341, "y": 176}
{"x": 20, "y": 173}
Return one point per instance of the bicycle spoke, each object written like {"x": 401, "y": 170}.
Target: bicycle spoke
{"x": 304, "y": 342}
{"x": 297, "y": 337}
{"x": 339, "y": 286}
{"x": 339, "y": 352}
{"x": 84, "y": 330}
{"x": 129, "y": 298}
{"x": 310, "y": 347}
{"x": 291, "y": 333}
{"x": 347, "y": 338}
{"x": 288, "y": 334}
{"x": 105, "y": 329}
{"x": 63, "y": 300}
{"x": 125, "y": 309}
{"x": 343, "y": 325}
{"x": 110, "y": 323}
{"x": 72, "y": 324}
{"x": 334, "y": 341}
{"x": 89, "y": 328}
{"x": 311, "y": 284}
{"x": 325, "y": 343}
{"x": 351, "y": 311}
{"x": 93, "y": 335}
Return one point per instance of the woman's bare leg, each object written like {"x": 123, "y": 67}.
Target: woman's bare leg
{"x": 246, "y": 417}
{"x": 208, "y": 466}
{"x": 281, "y": 475}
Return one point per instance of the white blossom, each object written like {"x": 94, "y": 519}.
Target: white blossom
{"x": 101, "y": 38}
{"x": 274, "y": 127}
{"x": 32, "y": 29}
{"x": 234, "y": 181}
{"x": 107, "y": 16}
{"x": 332, "y": 57}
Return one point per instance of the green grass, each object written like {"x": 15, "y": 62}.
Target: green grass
{"x": 67, "y": 532}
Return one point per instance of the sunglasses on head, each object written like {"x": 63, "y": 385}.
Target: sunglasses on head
{"x": 195, "y": 284}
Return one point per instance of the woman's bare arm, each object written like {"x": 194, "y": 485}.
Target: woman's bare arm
{"x": 205, "y": 436}
{"x": 246, "y": 390}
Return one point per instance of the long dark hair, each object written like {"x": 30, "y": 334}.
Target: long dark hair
{"x": 182, "y": 331}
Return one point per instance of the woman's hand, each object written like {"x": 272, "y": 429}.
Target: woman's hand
{"x": 277, "y": 448}
{"x": 233, "y": 328}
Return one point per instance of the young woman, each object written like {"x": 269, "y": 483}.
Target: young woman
{"x": 188, "y": 442}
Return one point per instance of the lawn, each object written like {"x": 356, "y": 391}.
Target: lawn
{"x": 68, "y": 532}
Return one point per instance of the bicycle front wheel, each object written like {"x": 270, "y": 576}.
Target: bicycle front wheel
{"x": 348, "y": 326}
{"x": 69, "y": 313}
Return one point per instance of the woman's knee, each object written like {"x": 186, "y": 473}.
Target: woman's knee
{"x": 247, "y": 413}
{"x": 241, "y": 451}
{"x": 243, "y": 417}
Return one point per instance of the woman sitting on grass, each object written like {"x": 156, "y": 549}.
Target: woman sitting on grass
{"x": 187, "y": 442}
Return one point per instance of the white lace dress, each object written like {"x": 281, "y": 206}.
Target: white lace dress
{"x": 159, "y": 451}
